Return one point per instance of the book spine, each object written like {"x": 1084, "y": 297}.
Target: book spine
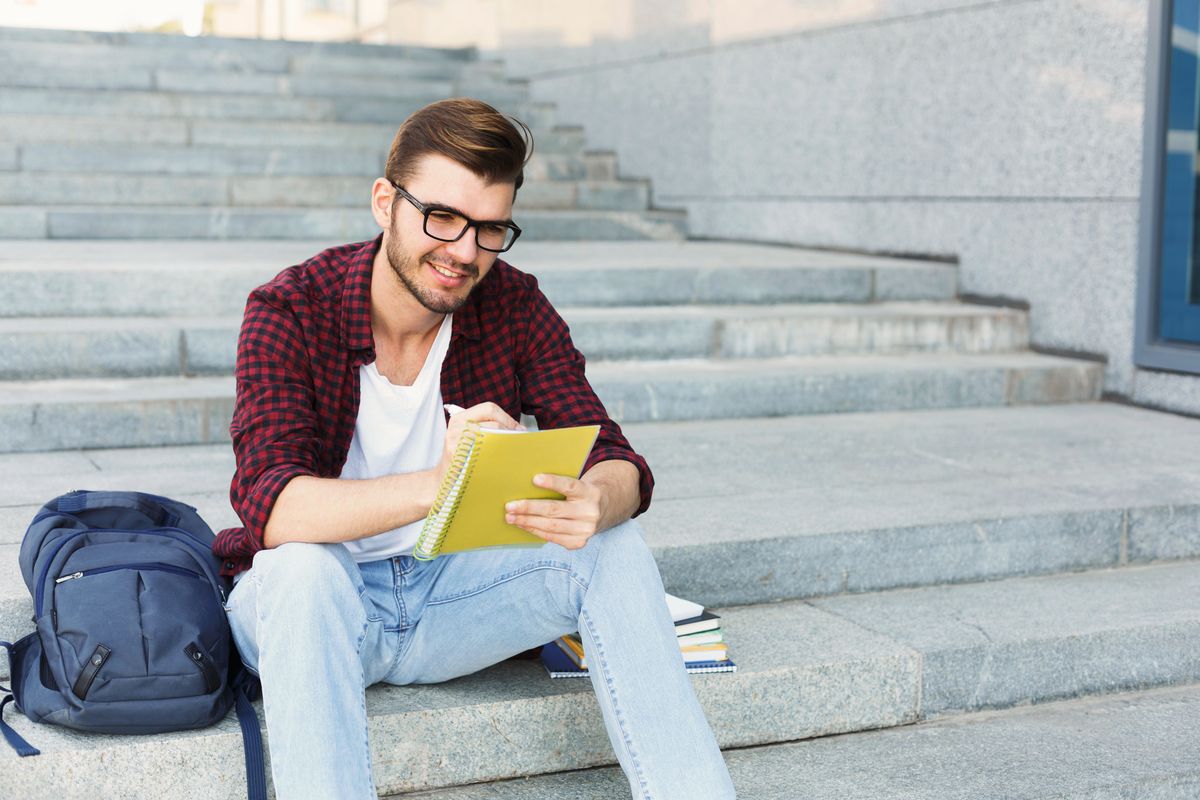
{"x": 450, "y": 494}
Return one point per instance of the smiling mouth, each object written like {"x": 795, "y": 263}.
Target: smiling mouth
{"x": 446, "y": 271}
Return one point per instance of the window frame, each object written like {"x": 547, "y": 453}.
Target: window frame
{"x": 1150, "y": 349}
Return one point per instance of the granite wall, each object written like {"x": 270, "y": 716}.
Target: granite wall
{"x": 1004, "y": 133}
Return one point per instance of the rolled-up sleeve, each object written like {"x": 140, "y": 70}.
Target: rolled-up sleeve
{"x": 555, "y": 390}
{"x": 275, "y": 431}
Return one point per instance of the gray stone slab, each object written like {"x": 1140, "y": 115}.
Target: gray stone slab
{"x": 421, "y": 90}
{"x": 38, "y": 57}
{"x": 648, "y": 391}
{"x": 8, "y": 156}
{"x": 1164, "y": 533}
{"x": 211, "y": 349}
{"x": 128, "y": 222}
{"x": 23, "y": 223}
{"x": 55, "y": 348}
{"x": 603, "y": 225}
{"x": 48, "y": 189}
{"x": 867, "y": 502}
{"x": 55, "y": 415}
{"x": 303, "y": 85}
{"x": 60, "y": 415}
{"x": 915, "y": 283}
{"x": 1136, "y": 746}
{"x": 377, "y": 66}
{"x": 615, "y": 196}
{"x": 202, "y": 160}
{"x": 130, "y": 103}
{"x": 158, "y": 41}
{"x": 99, "y": 278}
{"x": 331, "y": 224}
{"x": 301, "y": 191}
{"x": 28, "y": 129}
{"x": 829, "y": 676}
{"x": 12, "y": 74}
{"x": 998, "y": 644}
{"x": 47, "y": 348}
{"x": 254, "y": 133}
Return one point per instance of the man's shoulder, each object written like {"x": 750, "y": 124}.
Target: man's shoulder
{"x": 320, "y": 279}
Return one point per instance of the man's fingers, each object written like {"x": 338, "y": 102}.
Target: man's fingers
{"x": 490, "y": 412}
{"x": 559, "y": 483}
{"x": 551, "y": 524}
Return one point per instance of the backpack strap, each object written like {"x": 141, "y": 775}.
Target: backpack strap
{"x": 14, "y": 739}
{"x": 256, "y": 772}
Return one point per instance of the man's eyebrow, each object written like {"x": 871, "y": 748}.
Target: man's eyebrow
{"x": 461, "y": 213}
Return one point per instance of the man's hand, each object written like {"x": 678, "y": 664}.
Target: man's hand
{"x": 569, "y": 522}
{"x": 486, "y": 415}
{"x": 605, "y": 496}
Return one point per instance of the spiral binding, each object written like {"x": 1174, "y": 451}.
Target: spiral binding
{"x": 441, "y": 514}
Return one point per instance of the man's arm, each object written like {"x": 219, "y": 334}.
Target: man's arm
{"x": 311, "y": 509}
{"x": 616, "y": 482}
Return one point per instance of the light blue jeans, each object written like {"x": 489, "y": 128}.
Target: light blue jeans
{"x": 319, "y": 628}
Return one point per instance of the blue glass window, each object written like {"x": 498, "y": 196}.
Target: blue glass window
{"x": 1179, "y": 285}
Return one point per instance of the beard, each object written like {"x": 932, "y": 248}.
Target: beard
{"x": 407, "y": 268}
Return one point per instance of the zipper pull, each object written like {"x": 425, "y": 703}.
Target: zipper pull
{"x": 70, "y": 577}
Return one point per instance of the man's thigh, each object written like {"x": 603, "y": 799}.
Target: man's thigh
{"x": 485, "y": 606}
{"x": 306, "y": 581}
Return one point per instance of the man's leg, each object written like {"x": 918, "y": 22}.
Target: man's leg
{"x": 304, "y": 621}
{"x": 486, "y": 606}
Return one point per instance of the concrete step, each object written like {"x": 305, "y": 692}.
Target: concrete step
{"x": 281, "y": 191}
{"x": 869, "y": 501}
{"x": 163, "y": 42}
{"x": 806, "y": 669}
{"x": 222, "y": 105}
{"x": 23, "y": 129}
{"x": 216, "y": 160}
{"x": 861, "y": 503}
{"x": 138, "y": 412}
{"x": 331, "y": 223}
{"x": 1132, "y": 746}
{"x": 150, "y": 278}
{"x": 32, "y": 58}
{"x": 38, "y": 348}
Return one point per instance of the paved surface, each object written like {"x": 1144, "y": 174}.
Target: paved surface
{"x": 805, "y": 669}
{"x": 1143, "y": 746}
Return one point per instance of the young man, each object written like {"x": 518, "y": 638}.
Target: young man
{"x": 341, "y": 438}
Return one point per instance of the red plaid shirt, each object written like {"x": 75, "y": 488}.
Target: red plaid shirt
{"x": 305, "y": 335}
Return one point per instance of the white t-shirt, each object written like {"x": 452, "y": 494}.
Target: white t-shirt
{"x": 399, "y": 429}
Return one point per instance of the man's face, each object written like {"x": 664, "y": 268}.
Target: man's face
{"x": 440, "y": 275}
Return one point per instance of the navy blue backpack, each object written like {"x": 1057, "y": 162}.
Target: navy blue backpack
{"x": 131, "y": 633}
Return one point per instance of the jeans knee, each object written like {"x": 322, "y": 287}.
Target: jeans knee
{"x": 622, "y": 545}
{"x": 299, "y": 570}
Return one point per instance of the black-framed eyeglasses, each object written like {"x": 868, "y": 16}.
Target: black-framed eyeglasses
{"x": 449, "y": 224}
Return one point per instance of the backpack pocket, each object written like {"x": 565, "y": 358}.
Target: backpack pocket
{"x": 125, "y": 631}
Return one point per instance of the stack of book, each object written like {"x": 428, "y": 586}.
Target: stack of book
{"x": 701, "y": 642}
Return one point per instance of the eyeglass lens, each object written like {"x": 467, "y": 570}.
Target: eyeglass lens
{"x": 448, "y": 226}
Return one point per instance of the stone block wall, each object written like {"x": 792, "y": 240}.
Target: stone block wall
{"x": 1005, "y": 133}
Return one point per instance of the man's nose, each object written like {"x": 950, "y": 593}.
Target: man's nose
{"x": 465, "y": 249}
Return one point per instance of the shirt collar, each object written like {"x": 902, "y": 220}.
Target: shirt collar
{"x": 356, "y": 297}
{"x": 356, "y": 301}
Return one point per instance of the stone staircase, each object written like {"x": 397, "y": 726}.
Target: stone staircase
{"x": 946, "y": 570}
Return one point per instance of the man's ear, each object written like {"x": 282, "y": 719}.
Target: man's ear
{"x": 382, "y": 195}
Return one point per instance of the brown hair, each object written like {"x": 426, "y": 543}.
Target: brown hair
{"x": 467, "y": 131}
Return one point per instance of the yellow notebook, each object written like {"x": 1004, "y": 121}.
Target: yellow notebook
{"x": 490, "y": 468}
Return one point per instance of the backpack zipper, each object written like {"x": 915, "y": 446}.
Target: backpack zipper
{"x": 41, "y": 584}
{"x": 113, "y": 568}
